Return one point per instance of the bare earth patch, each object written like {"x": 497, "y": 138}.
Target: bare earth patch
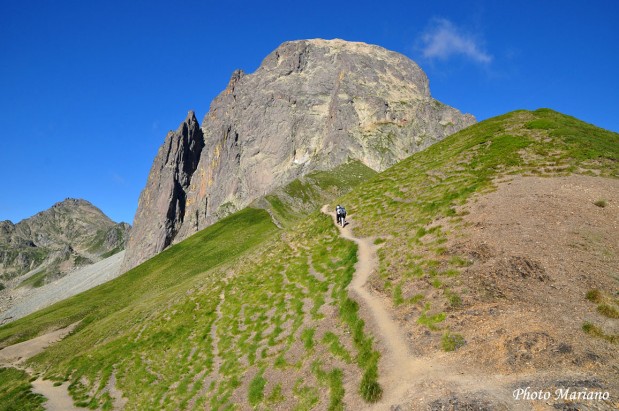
{"x": 536, "y": 247}
{"x": 58, "y": 398}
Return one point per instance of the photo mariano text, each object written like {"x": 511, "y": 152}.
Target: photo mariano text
{"x": 560, "y": 394}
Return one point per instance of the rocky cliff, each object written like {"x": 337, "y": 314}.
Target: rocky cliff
{"x": 311, "y": 105}
{"x": 71, "y": 233}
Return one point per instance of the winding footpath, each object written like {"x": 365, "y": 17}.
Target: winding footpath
{"x": 399, "y": 370}
{"x": 397, "y": 365}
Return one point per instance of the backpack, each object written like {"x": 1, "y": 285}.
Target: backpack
{"x": 343, "y": 211}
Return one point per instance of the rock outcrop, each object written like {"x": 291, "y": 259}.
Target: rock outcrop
{"x": 311, "y": 105}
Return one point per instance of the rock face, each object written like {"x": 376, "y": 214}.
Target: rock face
{"x": 311, "y": 105}
{"x": 69, "y": 234}
{"x": 163, "y": 203}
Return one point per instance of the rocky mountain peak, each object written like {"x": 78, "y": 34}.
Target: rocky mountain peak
{"x": 71, "y": 233}
{"x": 350, "y": 58}
{"x": 311, "y": 105}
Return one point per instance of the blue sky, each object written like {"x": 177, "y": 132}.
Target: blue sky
{"x": 89, "y": 89}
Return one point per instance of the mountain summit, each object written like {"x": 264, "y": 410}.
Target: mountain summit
{"x": 70, "y": 234}
{"x": 311, "y": 105}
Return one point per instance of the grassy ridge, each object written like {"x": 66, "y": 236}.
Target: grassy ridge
{"x": 412, "y": 207}
{"x": 298, "y": 199}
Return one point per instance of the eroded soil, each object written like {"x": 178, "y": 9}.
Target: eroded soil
{"x": 535, "y": 247}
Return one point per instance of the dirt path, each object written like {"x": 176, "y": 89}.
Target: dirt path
{"x": 400, "y": 373}
{"x": 15, "y": 355}
{"x": 397, "y": 364}
{"x": 58, "y": 398}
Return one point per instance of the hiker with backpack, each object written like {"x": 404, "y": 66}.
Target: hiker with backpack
{"x": 340, "y": 213}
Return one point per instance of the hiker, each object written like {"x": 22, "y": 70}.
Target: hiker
{"x": 340, "y": 213}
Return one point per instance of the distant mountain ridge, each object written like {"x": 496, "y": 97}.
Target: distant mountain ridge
{"x": 70, "y": 234}
{"x": 312, "y": 105}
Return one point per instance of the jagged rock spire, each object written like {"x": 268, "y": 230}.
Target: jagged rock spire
{"x": 163, "y": 202}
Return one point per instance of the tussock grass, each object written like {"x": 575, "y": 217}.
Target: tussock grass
{"x": 608, "y": 311}
{"x": 256, "y": 389}
{"x": 276, "y": 396}
{"x": 333, "y": 381}
{"x": 16, "y": 391}
{"x": 455, "y": 301}
{"x": 431, "y": 321}
{"x": 606, "y": 304}
{"x": 397, "y": 297}
{"x": 306, "y": 395}
{"x": 601, "y": 203}
{"x": 596, "y": 331}
{"x": 335, "y": 347}
{"x": 370, "y": 389}
{"x": 594, "y": 296}
{"x": 307, "y": 336}
{"x": 451, "y": 342}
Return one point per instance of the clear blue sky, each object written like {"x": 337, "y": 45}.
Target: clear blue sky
{"x": 88, "y": 89}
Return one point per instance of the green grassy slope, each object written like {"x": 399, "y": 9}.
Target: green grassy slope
{"x": 168, "y": 339}
{"x": 146, "y": 284}
{"x": 182, "y": 348}
{"x": 243, "y": 313}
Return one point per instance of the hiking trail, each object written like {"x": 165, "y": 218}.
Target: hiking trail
{"x": 397, "y": 365}
{"x": 399, "y": 370}
{"x": 58, "y": 398}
